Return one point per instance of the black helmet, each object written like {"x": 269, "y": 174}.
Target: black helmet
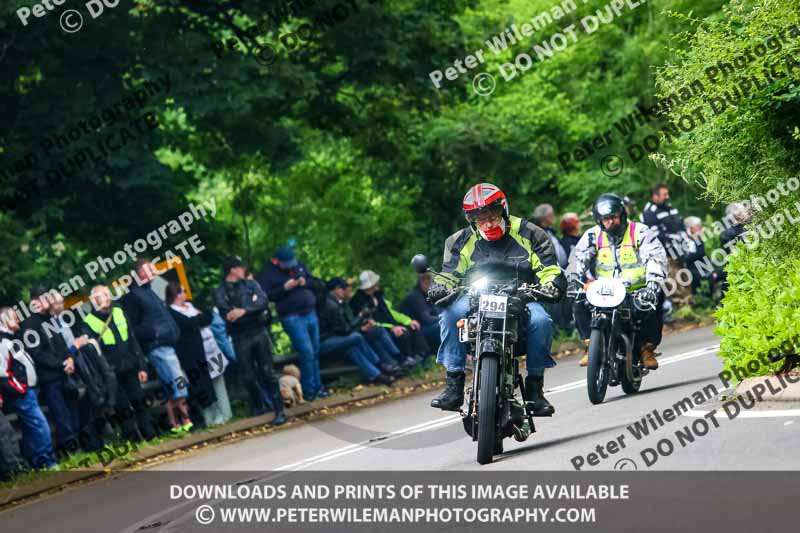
{"x": 608, "y": 204}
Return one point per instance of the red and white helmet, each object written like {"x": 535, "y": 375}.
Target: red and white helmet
{"x": 482, "y": 198}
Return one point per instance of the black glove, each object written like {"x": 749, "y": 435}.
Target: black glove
{"x": 437, "y": 291}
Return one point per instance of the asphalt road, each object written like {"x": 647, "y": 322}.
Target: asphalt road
{"x": 409, "y": 435}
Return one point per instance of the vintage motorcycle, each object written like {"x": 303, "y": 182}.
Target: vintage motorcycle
{"x": 495, "y": 332}
{"x": 615, "y": 343}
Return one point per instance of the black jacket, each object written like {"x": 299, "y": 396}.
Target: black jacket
{"x": 382, "y": 313}
{"x": 97, "y": 375}
{"x": 416, "y": 305}
{"x": 50, "y": 352}
{"x": 245, "y": 294}
{"x": 297, "y": 301}
{"x": 730, "y": 234}
{"x": 192, "y": 356}
{"x": 664, "y": 218}
{"x": 335, "y": 318}
{"x": 122, "y": 356}
{"x": 569, "y": 242}
{"x": 152, "y": 323}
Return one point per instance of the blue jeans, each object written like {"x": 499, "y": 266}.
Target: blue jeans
{"x": 381, "y": 342}
{"x": 303, "y": 331}
{"x": 64, "y": 410}
{"x": 453, "y": 354}
{"x": 169, "y": 371}
{"x": 357, "y": 350}
{"x": 37, "y": 444}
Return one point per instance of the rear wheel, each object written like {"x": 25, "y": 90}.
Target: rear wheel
{"x": 597, "y": 370}
{"x": 487, "y": 407}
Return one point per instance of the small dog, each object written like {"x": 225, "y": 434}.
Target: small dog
{"x": 291, "y": 392}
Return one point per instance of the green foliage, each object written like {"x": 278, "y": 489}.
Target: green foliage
{"x": 745, "y": 152}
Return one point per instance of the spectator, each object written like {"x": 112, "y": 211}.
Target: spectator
{"x": 53, "y": 367}
{"x": 570, "y": 227}
{"x": 18, "y": 388}
{"x": 561, "y": 312}
{"x": 243, "y": 304}
{"x": 694, "y": 251}
{"x": 291, "y": 286}
{"x": 157, "y": 332}
{"x": 223, "y": 412}
{"x": 417, "y": 306}
{"x": 10, "y": 459}
{"x": 544, "y": 217}
{"x": 379, "y": 339}
{"x": 338, "y": 335}
{"x": 370, "y": 300}
{"x": 736, "y": 216}
{"x": 627, "y": 203}
{"x": 658, "y": 213}
{"x": 199, "y": 352}
{"x": 108, "y": 324}
{"x": 92, "y": 369}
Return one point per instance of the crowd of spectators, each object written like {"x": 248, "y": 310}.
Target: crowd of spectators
{"x": 90, "y": 376}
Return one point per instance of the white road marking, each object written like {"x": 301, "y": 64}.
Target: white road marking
{"x": 772, "y": 413}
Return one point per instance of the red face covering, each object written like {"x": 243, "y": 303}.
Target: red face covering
{"x": 496, "y": 233}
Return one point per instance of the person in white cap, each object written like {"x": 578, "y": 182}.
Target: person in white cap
{"x": 406, "y": 333}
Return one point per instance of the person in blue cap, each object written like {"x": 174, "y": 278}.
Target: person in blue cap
{"x": 291, "y": 286}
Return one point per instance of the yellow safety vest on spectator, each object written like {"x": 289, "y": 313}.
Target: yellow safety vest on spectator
{"x": 630, "y": 263}
{"x": 98, "y": 325}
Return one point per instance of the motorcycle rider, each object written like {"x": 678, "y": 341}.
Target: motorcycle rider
{"x": 641, "y": 258}
{"x": 495, "y": 236}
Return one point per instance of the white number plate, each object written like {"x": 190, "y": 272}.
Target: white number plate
{"x": 493, "y": 306}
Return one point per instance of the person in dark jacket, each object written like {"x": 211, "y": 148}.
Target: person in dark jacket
{"x": 53, "y": 365}
{"x": 570, "y": 227}
{"x": 92, "y": 371}
{"x": 243, "y": 305}
{"x": 18, "y": 382}
{"x": 110, "y": 327}
{"x": 417, "y": 306}
{"x": 10, "y": 458}
{"x": 405, "y": 331}
{"x": 694, "y": 251}
{"x": 157, "y": 333}
{"x": 658, "y": 213}
{"x": 291, "y": 286}
{"x": 191, "y": 352}
{"x": 339, "y": 335}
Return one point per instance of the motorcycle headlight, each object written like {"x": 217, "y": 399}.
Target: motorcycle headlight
{"x": 479, "y": 283}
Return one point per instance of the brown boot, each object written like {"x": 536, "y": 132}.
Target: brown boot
{"x": 649, "y": 356}
{"x": 585, "y": 359}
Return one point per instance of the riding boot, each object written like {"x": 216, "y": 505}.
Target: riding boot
{"x": 453, "y": 395}
{"x": 534, "y": 395}
{"x": 649, "y": 356}
{"x": 585, "y": 359}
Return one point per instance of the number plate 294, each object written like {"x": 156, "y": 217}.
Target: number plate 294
{"x": 493, "y": 306}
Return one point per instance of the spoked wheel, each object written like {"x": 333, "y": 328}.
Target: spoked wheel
{"x": 632, "y": 372}
{"x": 597, "y": 370}
{"x": 487, "y": 406}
